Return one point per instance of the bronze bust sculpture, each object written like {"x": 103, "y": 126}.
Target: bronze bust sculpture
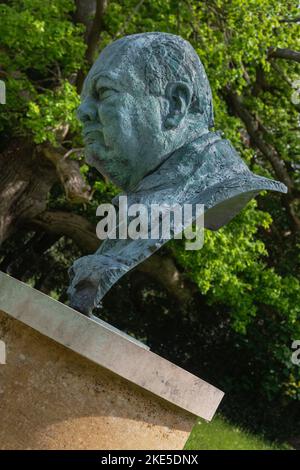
{"x": 146, "y": 109}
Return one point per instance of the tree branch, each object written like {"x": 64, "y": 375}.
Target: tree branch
{"x": 97, "y": 27}
{"x": 84, "y": 13}
{"x": 82, "y": 232}
{"x": 76, "y": 189}
{"x": 257, "y": 132}
{"x": 164, "y": 271}
{"x": 128, "y": 19}
{"x": 283, "y": 53}
{"x": 93, "y": 39}
{"x": 254, "y": 130}
{"x": 290, "y": 20}
{"x": 73, "y": 226}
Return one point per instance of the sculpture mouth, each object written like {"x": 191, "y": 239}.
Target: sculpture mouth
{"x": 94, "y": 135}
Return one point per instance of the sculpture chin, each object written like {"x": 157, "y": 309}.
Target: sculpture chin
{"x": 97, "y": 158}
{"x": 109, "y": 165}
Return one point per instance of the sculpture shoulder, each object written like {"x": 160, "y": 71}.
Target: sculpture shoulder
{"x": 211, "y": 161}
{"x": 219, "y": 154}
{"x": 202, "y": 163}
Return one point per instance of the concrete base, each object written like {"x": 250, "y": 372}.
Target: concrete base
{"x": 52, "y": 398}
{"x": 72, "y": 383}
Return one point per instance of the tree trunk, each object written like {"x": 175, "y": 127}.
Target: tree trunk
{"x": 25, "y": 181}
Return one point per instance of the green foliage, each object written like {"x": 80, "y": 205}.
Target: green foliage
{"x": 36, "y": 34}
{"x": 40, "y": 50}
{"x": 51, "y": 111}
{"x": 222, "y": 435}
{"x": 230, "y": 269}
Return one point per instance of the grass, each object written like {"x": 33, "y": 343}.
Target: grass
{"x": 221, "y": 435}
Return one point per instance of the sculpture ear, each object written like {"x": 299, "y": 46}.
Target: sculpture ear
{"x": 179, "y": 95}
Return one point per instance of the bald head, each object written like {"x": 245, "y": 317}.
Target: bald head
{"x": 154, "y": 60}
{"x": 146, "y": 95}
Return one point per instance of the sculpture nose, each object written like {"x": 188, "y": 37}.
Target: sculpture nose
{"x": 87, "y": 111}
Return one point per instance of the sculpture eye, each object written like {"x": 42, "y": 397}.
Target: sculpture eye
{"x": 102, "y": 93}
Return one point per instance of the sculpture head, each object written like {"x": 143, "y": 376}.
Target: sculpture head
{"x": 145, "y": 96}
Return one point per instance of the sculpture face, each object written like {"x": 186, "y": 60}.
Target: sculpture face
{"x": 128, "y": 129}
{"x": 122, "y": 124}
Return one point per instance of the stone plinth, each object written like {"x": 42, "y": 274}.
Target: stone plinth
{"x": 72, "y": 383}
